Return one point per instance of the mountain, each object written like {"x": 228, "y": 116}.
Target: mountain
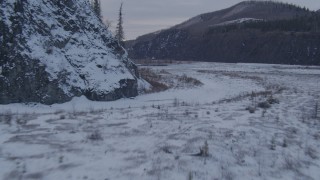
{"x": 251, "y": 31}
{"x": 244, "y": 11}
{"x": 52, "y": 51}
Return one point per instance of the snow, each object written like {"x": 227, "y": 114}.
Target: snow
{"x": 238, "y": 21}
{"x": 82, "y": 50}
{"x": 154, "y": 136}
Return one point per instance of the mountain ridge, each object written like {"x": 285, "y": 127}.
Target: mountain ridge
{"x": 263, "y": 10}
{"x": 196, "y": 39}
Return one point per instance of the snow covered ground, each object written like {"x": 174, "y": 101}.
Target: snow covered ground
{"x": 158, "y": 136}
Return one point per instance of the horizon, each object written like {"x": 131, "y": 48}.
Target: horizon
{"x": 154, "y": 16}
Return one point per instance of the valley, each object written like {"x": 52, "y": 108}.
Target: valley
{"x": 258, "y": 122}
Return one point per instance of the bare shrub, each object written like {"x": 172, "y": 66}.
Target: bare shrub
{"x": 311, "y": 152}
{"x": 62, "y": 116}
{"x": 7, "y": 117}
{"x": 176, "y": 102}
{"x": 316, "y": 109}
{"x": 91, "y": 110}
{"x": 21, "y": 121}
{"x": 252, "y": 97}
{"x": 152, "y": 78}
{"x": 284, "y": 143}
{"x": 190, "y": 176}
{"x": 232, "y": 74}
{"x": 204, "y": 150}
{"x": 226, "y": 174}
{"x": 156, "y": 168}
{"x": 61, "y": 159}
{"x": 157, "y": 86}
{"x": 166, "y": 149}
{"x": 264, "y": 105}
{"x": 239, "y": 156}
{"x": 316, "y": 136}
{"x": 95, "y": 136}
{"x": 264, "y": 111}
{"x": 272, "y": 100}
{"x": 291, "y": 163}
{"x": 273, "y": 143}
{"x": 184, "y": 79}
{"x": 251, "y": 109}
{"x": 60, "y": 111}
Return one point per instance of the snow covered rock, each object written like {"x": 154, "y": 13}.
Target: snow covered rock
{"x": 54, "y": 50}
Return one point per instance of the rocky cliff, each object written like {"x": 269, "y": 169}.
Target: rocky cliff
{"x": 251, "y": 31}
{"x": 54, "y": 50}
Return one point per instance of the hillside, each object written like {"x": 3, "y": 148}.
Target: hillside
{"x": 244, "y": 11}
{"x": 208, "y": 37}
{"x": 52, "y": 51}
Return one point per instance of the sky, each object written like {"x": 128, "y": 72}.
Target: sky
{"x": 145, "y": 16}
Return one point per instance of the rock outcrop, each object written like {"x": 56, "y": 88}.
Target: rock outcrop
{"x": 54, "y": 50}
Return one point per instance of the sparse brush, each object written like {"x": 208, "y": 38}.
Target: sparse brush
{"x": 226, "y": 174}
{"x": 61, "y": 159}
{"x": 189, "y": 81}
{"x": 251, "y": 109}
{"x": 7, "y": 117}
{"x": 311, "y": 152}
{"x": 166, "y": 149}
{"x": 176, "y": 102}
{"x": 21, "y": 121}
{"x": 316, "y": 110}
{"x": 284, "y": 143}
{"x": 59, "y": 111}
{"x": 91, "y": 110}
{"x": 273, "y": 143}
{"x": 190, "y": 176}
{"x": 239, "y": 156}
{"x": 264, "y": 105}
{"x": 291, "y": 163}
{"x": 96, "y": 136}
{"x": 204, "y": 150}
{"x": 272, "y": 100}
{"x": 263, "y": 113}
{"x": 154, "y": 79}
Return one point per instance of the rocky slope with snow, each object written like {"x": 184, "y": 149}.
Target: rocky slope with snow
{"x": 238, "y": 34}
{"x": 52, "y": 51}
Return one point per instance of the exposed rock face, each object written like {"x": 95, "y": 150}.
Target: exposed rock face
{"x": 53, "y": 50}
{"x": 197, "y": 40}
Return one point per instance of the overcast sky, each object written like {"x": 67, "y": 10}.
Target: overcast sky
{"x": 145, "y": 16}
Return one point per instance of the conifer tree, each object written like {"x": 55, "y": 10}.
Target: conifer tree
{"x": 96, "y": 5}
{"x": 119, "y": 28}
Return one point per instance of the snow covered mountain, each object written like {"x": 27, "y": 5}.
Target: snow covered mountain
{"x": 54, "y": 50}
{"x": 249, "y": 32}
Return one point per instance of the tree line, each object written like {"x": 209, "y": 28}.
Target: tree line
{"x": 278, "y": 5}
{"x": 307, "y": 23}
